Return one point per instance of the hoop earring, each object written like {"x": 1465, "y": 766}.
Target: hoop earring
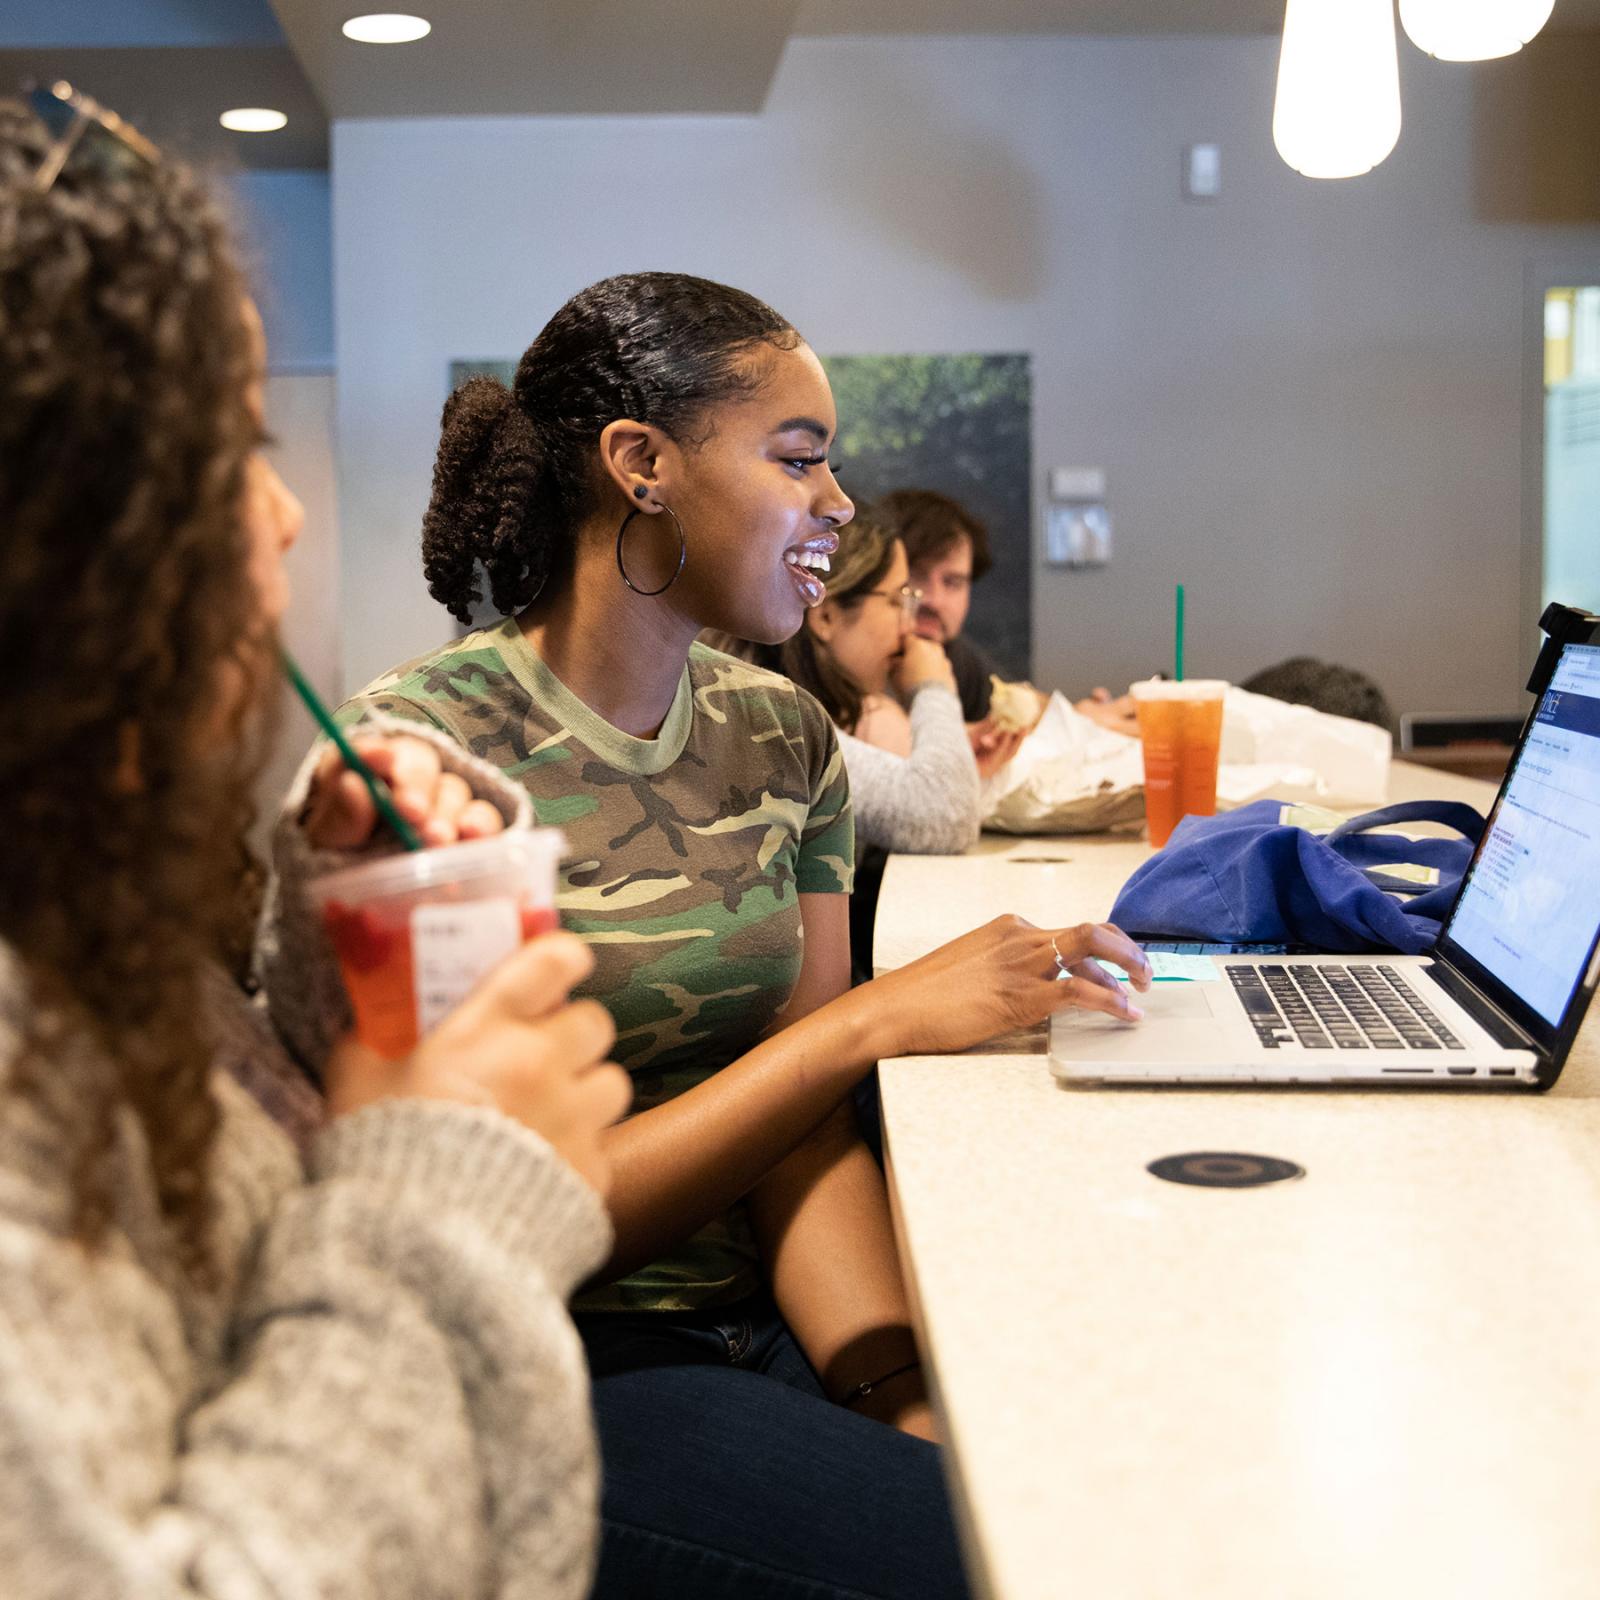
{"x": 683, "y": 552}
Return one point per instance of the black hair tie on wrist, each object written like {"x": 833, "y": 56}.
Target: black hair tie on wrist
{"x": 862, "y": 1390}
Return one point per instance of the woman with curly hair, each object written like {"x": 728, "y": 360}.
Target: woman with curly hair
{"x": 230, "y": 1368}
{"x": 658, "y": 467}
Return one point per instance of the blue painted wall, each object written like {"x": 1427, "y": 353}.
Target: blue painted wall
{"x": 285, "y": 224}
{"x": 95, "y": 24}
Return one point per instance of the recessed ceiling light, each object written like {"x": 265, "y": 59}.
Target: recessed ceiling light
{"x": 253, "y": 119}
{"x": 387, "y": 27}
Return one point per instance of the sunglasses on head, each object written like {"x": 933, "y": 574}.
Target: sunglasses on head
{"x": 85, "y": 133}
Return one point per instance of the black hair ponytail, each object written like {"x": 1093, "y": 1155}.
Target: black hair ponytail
{"x": 518, "y": 471}
{"x": 483, "y": 482}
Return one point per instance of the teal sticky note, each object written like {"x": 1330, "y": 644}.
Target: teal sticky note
{"x": 1168, "y": 967}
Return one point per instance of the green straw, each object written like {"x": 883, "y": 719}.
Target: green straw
{"x": 1177, "y": 639}
{"x": 376, "y": 787}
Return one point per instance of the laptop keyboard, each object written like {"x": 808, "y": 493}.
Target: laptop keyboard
{"x": 1331, "y": 1007}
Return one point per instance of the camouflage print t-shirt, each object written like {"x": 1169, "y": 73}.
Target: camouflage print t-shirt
{"x": 685, "y": 856}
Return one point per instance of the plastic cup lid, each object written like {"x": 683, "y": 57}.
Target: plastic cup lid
{"x": 1170, "y": 689}
{"x": 516, "y": 851}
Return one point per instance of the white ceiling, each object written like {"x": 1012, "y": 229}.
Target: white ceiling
{"x": 620, "y": 57}
{"x": 547, "y": 57}
{"x": 172, "y": 67}
{"x": 173, "y": 64}
{"x": 1082, "y": 16}
{"x": 175, "y": 95}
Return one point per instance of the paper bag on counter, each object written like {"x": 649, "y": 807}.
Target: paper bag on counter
{"x": 1296, "y": 753}
{"x": 1070, "y": 775}
{"x": 1073, "y": 776}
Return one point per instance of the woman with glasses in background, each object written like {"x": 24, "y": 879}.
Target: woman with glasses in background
{"x": 913, "y": 781}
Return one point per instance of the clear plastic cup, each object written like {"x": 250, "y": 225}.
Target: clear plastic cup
{"x": 1180, "y": 727}
{"x": 415, "y": 932}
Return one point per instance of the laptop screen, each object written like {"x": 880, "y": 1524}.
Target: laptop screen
{"x": 1529, "y": 909}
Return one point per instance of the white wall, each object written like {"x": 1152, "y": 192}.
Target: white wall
{"x": 1306, "y": 396}
{"x": 299, "y": 411}
{"x": 1572, "y": 494}
{"x": 284, "y": 222}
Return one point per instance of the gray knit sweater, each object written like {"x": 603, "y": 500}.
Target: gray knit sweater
{"x": 925, "y": 803}
{"x": 383, "y": 1397}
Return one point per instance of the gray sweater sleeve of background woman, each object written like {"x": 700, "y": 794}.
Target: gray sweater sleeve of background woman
{"x": 925, "y": 803}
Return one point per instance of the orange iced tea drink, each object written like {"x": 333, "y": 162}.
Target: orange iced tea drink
{"x": 1180, "y": 728}
{"x": 414, "y": 933}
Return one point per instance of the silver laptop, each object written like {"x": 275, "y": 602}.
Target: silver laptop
{"x": 1498, "y": 1003}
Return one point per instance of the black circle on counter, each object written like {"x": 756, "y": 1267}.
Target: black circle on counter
{"x": 1224, "y": 1169}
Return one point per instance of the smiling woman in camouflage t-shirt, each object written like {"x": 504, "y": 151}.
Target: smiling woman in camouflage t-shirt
{"x": 687, "y": 857}
{"x": 658, "y": 467}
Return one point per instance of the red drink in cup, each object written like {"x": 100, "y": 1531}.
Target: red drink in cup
{"x": 415, "y": 932}
{"x": 1180, "y": 727}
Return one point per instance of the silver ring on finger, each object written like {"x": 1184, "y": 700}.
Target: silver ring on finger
{"x": 1062, "y": 969}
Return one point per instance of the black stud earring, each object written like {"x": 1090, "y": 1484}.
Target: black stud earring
{"x": 639, "y": 491}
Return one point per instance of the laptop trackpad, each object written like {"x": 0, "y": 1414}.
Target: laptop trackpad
{"x": 1179, "y": 1024}
{"x": 1159, "y": 1004}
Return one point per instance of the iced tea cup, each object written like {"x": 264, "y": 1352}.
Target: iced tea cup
{"x": 1180, "y": 727}
{"x": 415, "y": 932}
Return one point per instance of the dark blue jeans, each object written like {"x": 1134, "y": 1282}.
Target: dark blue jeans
{"x": 729, "y": 1475}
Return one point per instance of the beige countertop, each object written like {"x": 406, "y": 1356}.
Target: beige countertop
{"x": 1382, "y": 1379}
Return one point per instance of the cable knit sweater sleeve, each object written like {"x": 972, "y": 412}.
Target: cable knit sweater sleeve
{"x": 925, "y": 803}
{"x": 294, "y": 962}
{"x": 381, "y": 1396}
{"x": 386, "y": 1399}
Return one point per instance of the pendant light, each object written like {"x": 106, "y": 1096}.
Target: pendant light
{"x": 1337, "y": 111}
{"x": 1473, "y": 30}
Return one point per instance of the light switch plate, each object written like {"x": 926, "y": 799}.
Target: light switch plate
{"x": 1202, "y": 171}
{"x": 1077, "y": 533}
{"x": 1077, "y": 483}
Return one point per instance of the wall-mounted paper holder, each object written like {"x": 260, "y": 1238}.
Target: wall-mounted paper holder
{"x": 1077, "y": 520}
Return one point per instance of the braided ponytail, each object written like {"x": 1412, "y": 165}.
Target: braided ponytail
{"x": 482, "y": 479}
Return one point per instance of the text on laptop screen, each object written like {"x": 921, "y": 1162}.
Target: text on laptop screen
{"x": 1531, "y": 904}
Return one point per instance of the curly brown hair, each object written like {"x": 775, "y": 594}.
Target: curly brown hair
{"x": 131, "y": 647}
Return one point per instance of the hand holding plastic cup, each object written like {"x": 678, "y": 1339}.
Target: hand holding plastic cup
{"x": 1180, "y": 727}
{"x": 414, "y": 933}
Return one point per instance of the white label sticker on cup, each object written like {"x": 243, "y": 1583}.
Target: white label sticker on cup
{"x": 452, "y": 946}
